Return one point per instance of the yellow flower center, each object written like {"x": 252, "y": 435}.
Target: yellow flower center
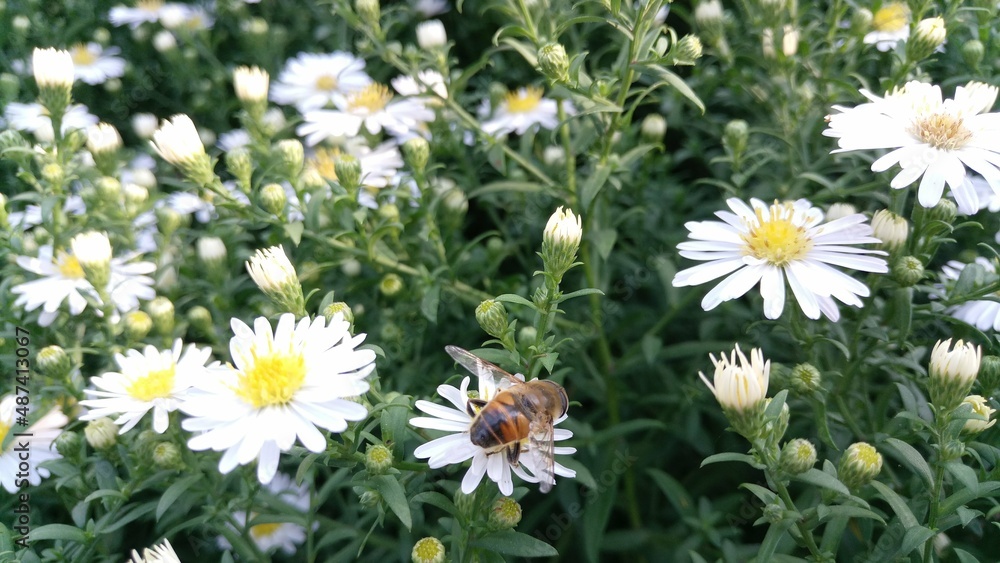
{"x": 264, "y": 530}
{"x": 326, "y": 83}
{"x": 891, "y": 17}
{"x": 941, "y": 131}
{"x": 867, "y": 456}
{"x": 272, "y": 378}
{"x": 69, "y": 266}
{"x": 149, "y": 5}
{"x": 776, "y": 238}
{"x": 523, "y": 99}
{"x": 154, "y": 385}
{"x": 325, "y": 162}
{"x": 82, "y": 56}
{"x": 4, "y": 429}
{"x": 373, "y": 98}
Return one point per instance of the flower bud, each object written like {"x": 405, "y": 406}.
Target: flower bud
{"x": 431, "y": 35}
{"x": 54, "y": 75}
{"x": 272, "y": 198}
{"x": 164, "y": 41}
{"x": 805, "y": 379}
{"x": 560, "y": 242}
{"x": 861, "y": 21}
{"x": 952, "y": 372}
{"x": 416, "y": 153}
{"x": 168, "y": 220}
{"x": 135, "y": 197}
{"x": 212, "y": 255}
{"x": 908, "y": 271}
{"x": 161, "y": 310}
{"x": 798, "y": 456}
{"x": 789, "y": 40}
{"x": 654, "y": 127}
{"x": 740, "y": 386}
{"x": 709, "y": 18}
{"x": 239, "y": 162}
{"x": 3, "y": 211}
{"x": 137, "y": 325}
{"x": 952, "y": 451}
{"x": 144, "y": 125}
{"x": 982, "y": 413}
{"x": 492, "y": 317}
{"x": 54, "y": 362}
{"x": 553, "y": 62}
{"x": 351, "y": 268}
{"x": 103, "y": 142}
{"x": 369, "y": 10}
{"x": 455, "y": 202}
{"x": 93, "y": 251}
{"x": 101, "y": 433}
{"x": 348, "y": 170}
{"x": 973, "y": 52}
{"x": 292, "y": 156}
{"x": 773, "y": 512}
{"x": 504, "y": 514}
{"x": 859, "y": 465}
{"x": 735, "y": 137}
{"x": 428, "y": 550}
{"x": 687, "y": 50}
{"x": 68, "y": 444}
{"x": 200, "y": 319}
{"x": 166, "y": 455}
{"x": 53, "y": 173}
{"x": 527, "y": 335}
{"x": 891, "y": 229}
{"x": 344, "y": 309}
{"x": 177, "y": 141}
{"x": 989, "y": 374}
{"x": 378, "y": 459}
{"x": 390, "y": 285}
{"x": 370, "y": 499}
{"x": 251, "y": 84}
{"x": 275, "y": 276}
{"x": 553, "y": 155}
{"x": 930, "y": 34}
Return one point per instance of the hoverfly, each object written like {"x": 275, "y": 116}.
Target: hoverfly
{"x": 525, "y": 410}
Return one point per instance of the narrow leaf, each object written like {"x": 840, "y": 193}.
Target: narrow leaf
{"x": 509, "y": 542}
{"x": 911, "y": 457}
{"x": 395, "y": 497}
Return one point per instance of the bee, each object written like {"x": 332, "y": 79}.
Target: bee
{"x": 524, "y": 410}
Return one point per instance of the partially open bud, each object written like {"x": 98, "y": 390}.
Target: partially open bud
{"x": 891, "y": 229}
{"x": 838, "y": 210}
{"x": 428, "y": 550}
{"x": 504, "y": 514}
{"x": 177, "y": 141}
{"x": 431, "y": 35}
{"x": 952, "y": 372}
{"x": 93, "y": 251}
{"x": 103, "y": 142}
{"x": 798, "y": 456}
{"x": 54, "y": 75}
{"x": 275, "y": 276}
{"x": 859, "y": 465}
{"x": 101, "y": 433}
{"x": 928, "y": 36}
{"x": 553, "y": 62}
{"x": 687, "y": 50}
{"x": 709, "y": 18}
{"x": 251, "y": 84}
{"x": 492, "y": 317}
{"x": 740, "y": 386}
{"x": 982, "y": 413}
{"x": 54, "y": 362}
{"x": 212, "y": 255}
{"x": 348, "y": 170}
{"x": 369, "y": 11}
{"x": 144, "y": 125}
{"x": 560, "y": 242}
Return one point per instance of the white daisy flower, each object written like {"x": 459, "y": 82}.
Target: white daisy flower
{"x": 34, "y": 119}
{"x": 311, "y": 81}
{"x": 982, "y": 314}
{"x": 890, "y": 25}
{"x": 372, "y": 107}
{"x": 428, "y": 8}
{"x": 280, "y": 387}
{"x": 423, "y": 84}
{"x": 32, "y": 214}
{"x": 379, "y": 166}
{"x": 94, "y": 64}
{"x": 160, "y": 553}
{"x": 933, "y": 138}
{"x": 285, "y": 536}
{"x": 233, "y": 140}
{"x": 187, "y": 203}
{"x": 523, "y": 108}
{"x": 457, "y": 447}
{"x": 148, "y": 380}
{"x": 766, "y": 244}
{"x": 145, "y": 11}
{"x": 39, "y": 444}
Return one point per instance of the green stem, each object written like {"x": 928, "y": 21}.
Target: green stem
{"x": 941, "y": 421}
{"x": 804, "y": 531}
{"x": 570, "y": 158}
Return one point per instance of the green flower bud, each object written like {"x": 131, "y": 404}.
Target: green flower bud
{"x": 908, "y": 271}
{"x": 773, "y": 513}
{"x": 952, "y": 372}
{"x": 68, "y": 444}
{"x": 272, "y": 198}
{"x": 200, "y": 319}
{"x": 390, "y": 285}
{"x": 805, "y": 379}
{"x": 75, "y": 139}
{"x": 54, "y": 362}
{"x": 553, "y": 62}
{"x": 168, "y": 220}
{"x": 653, "y": 128}
{"x": 560, "y": 242}
{"x": 101, "y": 433}
{"x": 989, "y": 374}
{"x": 464, "y": 503}
{"x": 239, "y": 163}
{"x": 369, "y": 11}
{"x": 389, "y": 212}
{"x": 973, "y": 52}
{"x": 167, "y": 455}
{"x": 953, "y": 450}
{"x": 137, "y": 325}
{"x": 53, "y": 173}
{"x": 861, "y": 21}
{"x": 428, "y": 550}
{"x": 348, "y": 170}
{"x": 982, "y": 413}
{"x": 378, "y": 459}
{"x": 3, "y": 211}
{"x": 687, "y": 50}
{"x": 859, "y": 465}
{"x": 416, "y": 153}
{"x": 339, "y": 307}
{"x": 945, "y": 211}
{"x": 351, "y": 268}
{"x": 492, "y": 317}
{"x": 370, "y": 499}
{"x": 109, "y": 191}
{"x": 504, "y": 514}
{"x": 928, "y": 36}
{"x": 735, "y": 137}
{"x": 456, "y": 202}
{"x": 527, "y": 335}
{"x": 798, "y": 456}
{"x": 161, "y": 310}
{"x": 292, "y": 157}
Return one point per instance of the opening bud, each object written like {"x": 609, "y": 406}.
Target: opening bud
{"x": 492, "y": 317}
{"x": 54, "y": 362}
{"x": 982, "y": 413}
{"x": 101, "y": 433}
{"x": 859, "y": 465}
{"x": 504, "y": 514}
{"x": 798, "y": 456}
{"x": 553, "y": 61}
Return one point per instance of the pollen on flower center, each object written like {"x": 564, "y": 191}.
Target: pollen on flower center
{"x": 942, "y": 131}
{"x": 776, "y": 238}
{"x": 272, "y": 379}
{"x": 326, "y": 83}
{"x": 82, "y": 56}
{"x": 373, "y": 98}
{"x": 154, "y": 385}
{"x": 891, "y": 17}
{"x": 264, "y": 530}
{"x": 524, "y": 99}
{"x": 69, "y": 266}
{"x": 325, "y": 161}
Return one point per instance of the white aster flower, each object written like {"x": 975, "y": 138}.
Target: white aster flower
{"x": 980, "y": 313}
{"x": 62, "y": 280}
{"x": 53, "y": 68}
{"x": 32, "y": 214}
{"x": 523, "y": 108}
{"x": 933, "y": 138}
{"x": 426, "y": 82}
{"x": 103, "y": 138}
{"x": 431, "y": 35}
{"x": 280, "y": 387}
{"x": 457, "y": 447}
{"x": 187, "y": 203}
{"x": 145, "y": 11}
{"x": 379, "y": 166}
{"x": 311, "y": 81}
{"x": 272, "y": 536}
{"x": 890, "y": 25}
{"x": 94, "y": 64}
{"x": 251, "y": 84}
{"x": 37, "y": 440}
{"x": 34, "y": 119}
{"x": 739, "y": 384}
{"x": 149, "y": 380}
{"x": 372, "y": 107}
{"x": 766, "y": 244}
{"x": 160, "y": 553}
{"x": 233, "y": 140}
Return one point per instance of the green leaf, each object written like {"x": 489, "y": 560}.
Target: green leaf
{"x": 395, "y": 497}
{"x": 728, "y": 456}
{"x": 898, "y": 505}
{"x": 914, "y": 538}
{"x": 509, "y": 542}
{"x": 294, "y": 231}
{"x": 393, "y": 423}
{"x": 771, "y": 540}
{"x": 604, "y": 240}
{"x": 847, "y": 511}
{"x": 594, "y": 183}
{"x": 765, "y": 495}
{"x": 514, "y": 298}
{"x": 964, "y": 556}
{"x": 774, "y": 408}
{"x": 104, "y": 493}
{"x": 437, "y": 499}
{"x": 651, "y": 346}
{"x": 580, "y": 293}
{"x": 430, "y": 301}
{"x": 964, "y": 474}
{"x": 678, "y": 84}
{"x": 174, "y": 492}
{"x": 965, "y": 496}
{"x": 506, "y": 186}
{"x": 58, "y": 532}
{"x": 674, "y": 491}
{"x": 822, "y": 479}
{"x": 116, "y": 521}
{"x": 911, "y": 457}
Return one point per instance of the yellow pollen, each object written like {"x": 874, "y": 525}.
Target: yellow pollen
{"x": 82, "y": 56}
{"x": 777, "y": 239}
{"x": 4, "y": 429}
{"x": 264, "y": 530}
{"x": 272, "y": 378}
{"x": 156, "y": 384}
{"x": 149, "y": 5}
{"x": 326, "y": 83}
{"x": 69, "y": 266}
{"x": 941, "y": 131}
{"x": 373, "y": 98}
{"x": 891, "y": 17}
{"x": 325, "y": 161}
{"x": 523, "y": 99}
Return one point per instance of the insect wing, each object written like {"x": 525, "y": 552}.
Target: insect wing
{"x": 542, "y": 446}
{"x": 478, "y": 366}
